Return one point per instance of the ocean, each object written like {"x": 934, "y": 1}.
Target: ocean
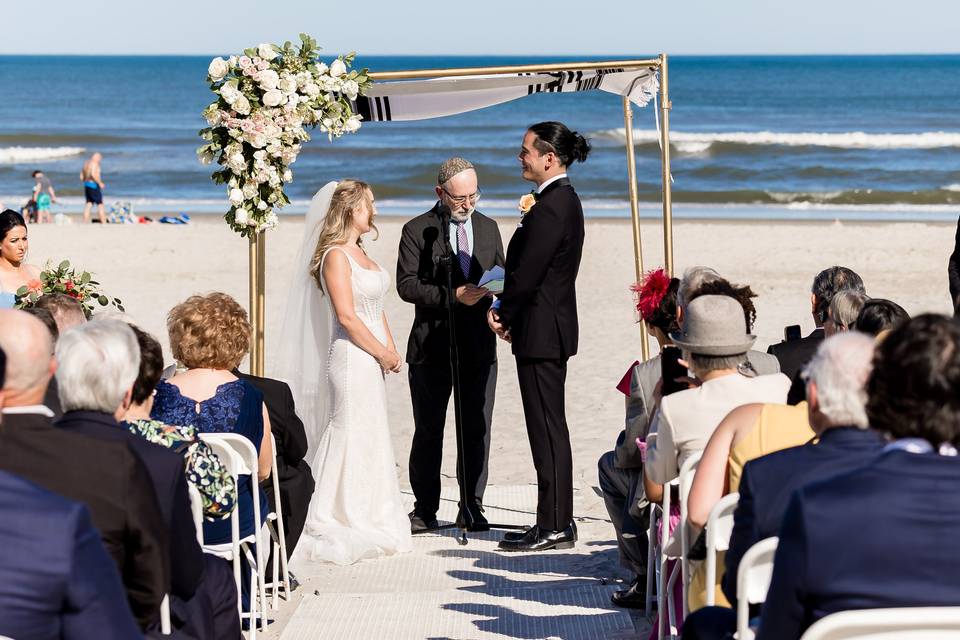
{"x": 850, "y": 137}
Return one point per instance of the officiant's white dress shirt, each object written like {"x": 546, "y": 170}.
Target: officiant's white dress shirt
{"x": 468, "y": 227}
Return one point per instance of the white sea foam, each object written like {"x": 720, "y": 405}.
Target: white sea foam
{"x": 15, "y": 155}
{"x": 951, "y": 187}
{"x": 699, "y": 142}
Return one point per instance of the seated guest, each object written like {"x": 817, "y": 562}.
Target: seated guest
{"x": 77, "y": 593}
{"x": 98, "y": 367}
{"x": 66, "y": 311}
{"x": 793, "y": 355}
{"x": 881, "y": 535}
{"x": 714, "y": 343}
{"x": 843, "y": 311}
{"x": 878, "y": 317}
{"x": 293, "y": 472}
{"x": 836, "y": 398}
{"x": 209, "y": 335}
{"x": 747, "y": 433}
{"x": 107, "y": 477}
{"x": 204, "y": 470}
{"x": 621, "y": 470}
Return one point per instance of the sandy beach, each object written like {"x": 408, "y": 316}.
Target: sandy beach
{"x": 153, "y": 267}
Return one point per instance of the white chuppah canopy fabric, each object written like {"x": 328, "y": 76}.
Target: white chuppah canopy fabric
{"x": 434, "y": 98}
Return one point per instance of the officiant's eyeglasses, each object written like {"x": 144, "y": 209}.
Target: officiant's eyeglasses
{"x": 458, "y": 200}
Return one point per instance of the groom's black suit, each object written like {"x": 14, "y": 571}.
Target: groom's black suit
{"x": 539, "y": 307}
{"x": 422, "y": 281}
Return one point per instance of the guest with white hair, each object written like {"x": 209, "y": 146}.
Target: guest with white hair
{"x": 107, "y": 477}
{"x": 99, "y": 363}
{"x": 835, "y": 380}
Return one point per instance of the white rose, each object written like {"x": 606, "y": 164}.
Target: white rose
{"x": 287, "y": 175}
{"x": 262, "y": 205}
{"x": 260, "y": 155}
{"x": 311, "y": 90}
{"x": 288, "y": 85}
{"x": 218, "y": 69}
{"x": 337, "y": 68}
{"x": 249, "y": 190}
{"x": 236, "y": 196}
{"x": 259, "y": 141}
{"x": 272, "y": 98}
{"x": 320, "y": 68}
{"x": 269, "y": 79}
{"x": 241, "y": 216}
{"x": 351, "y": 89}
{"x": 241, "y": 105}
{"x": 266, "y": 51}
{"x": 229, "y": 93}
{"x": 232, "y": 62}
{"x": 352, "y": 124}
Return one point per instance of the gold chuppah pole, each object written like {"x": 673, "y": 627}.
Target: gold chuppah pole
{"x": 635, "y": 213}
{"x": 258, "y": 264}
{"x": 665, "y": 107}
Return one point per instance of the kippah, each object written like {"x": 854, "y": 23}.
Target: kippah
{"x": 452, "y": 167}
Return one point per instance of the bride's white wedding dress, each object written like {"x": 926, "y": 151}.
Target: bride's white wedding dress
{"x": 356, "y": 510}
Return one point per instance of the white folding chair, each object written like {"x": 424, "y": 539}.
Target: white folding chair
{"x": 240, "y": 458}
{"x": 680, "y": 571}
{"x": 196, "y": 508}
{"x": 753, "y": 581}
{"x": 279, "y": 538}
{"x": 909, "y": 623}
{"x": 719, "y": 528}
{"x": 653, "y": 549}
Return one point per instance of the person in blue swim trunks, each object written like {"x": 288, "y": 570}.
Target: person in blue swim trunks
{"x": 43, "y": 195}
{"x": 93, "y": 187}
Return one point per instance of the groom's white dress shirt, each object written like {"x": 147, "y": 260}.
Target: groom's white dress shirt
{"x": 550, "y": 181}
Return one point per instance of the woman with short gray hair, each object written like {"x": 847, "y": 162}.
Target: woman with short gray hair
{"x": 97, "y": 366}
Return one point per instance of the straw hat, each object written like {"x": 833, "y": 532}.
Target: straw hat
{"x": 714, "y": 326}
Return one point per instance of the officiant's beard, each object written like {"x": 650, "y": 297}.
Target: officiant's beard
{"x": 462, "y": 216}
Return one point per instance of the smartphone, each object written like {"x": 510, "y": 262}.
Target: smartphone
{"x": 791, "y": 333}
{"x": 670, "y": 370}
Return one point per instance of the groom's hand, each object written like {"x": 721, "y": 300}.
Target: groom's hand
{"x": 470, "y": 295}
{"x": 493, "y": 321}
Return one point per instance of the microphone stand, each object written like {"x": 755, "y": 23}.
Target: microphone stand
{"x": 466, "y": 515}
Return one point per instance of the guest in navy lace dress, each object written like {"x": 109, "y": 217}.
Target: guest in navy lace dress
{"x": 209, "y": 335}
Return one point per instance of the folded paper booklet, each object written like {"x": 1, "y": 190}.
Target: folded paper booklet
{"x": 492, "y": 280}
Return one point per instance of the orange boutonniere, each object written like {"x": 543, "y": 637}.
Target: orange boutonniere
{"x": 527, "y": 201}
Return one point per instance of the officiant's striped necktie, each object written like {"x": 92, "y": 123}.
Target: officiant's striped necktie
{"x": 463, "y": 249}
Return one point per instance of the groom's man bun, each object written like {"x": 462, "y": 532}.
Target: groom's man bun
{"x": 555, "y": 137}
{"x": 451, "y": 167}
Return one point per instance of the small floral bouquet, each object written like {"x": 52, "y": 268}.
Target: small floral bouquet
{"x": 266, "y": 100}
{"x": 64, "y": 279}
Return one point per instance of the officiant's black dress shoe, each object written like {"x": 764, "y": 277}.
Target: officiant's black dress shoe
{"x": 537, "y": 539}
{"x": 420, "y": 524}
{"x": 634, "y": 596}
{"x": 519, "y": 535}
{"x": 474, "y": 518}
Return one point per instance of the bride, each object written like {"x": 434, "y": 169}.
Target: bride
{"x": 336, "y": 349}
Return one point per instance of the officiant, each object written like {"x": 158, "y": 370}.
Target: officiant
{"x": 475, "y": 245}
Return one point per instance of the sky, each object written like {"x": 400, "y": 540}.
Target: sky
{"x": 508, "y": 27}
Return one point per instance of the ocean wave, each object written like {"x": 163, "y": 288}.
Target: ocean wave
{"x": 685, "y": 142}
{"x": 15, "y": 155}
{"x": 951, "y": 187}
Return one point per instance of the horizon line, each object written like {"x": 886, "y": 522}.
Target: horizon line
{"x": 509, "y": 55}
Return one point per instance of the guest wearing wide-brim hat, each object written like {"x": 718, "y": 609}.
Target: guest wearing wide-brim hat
{"x": 714, "y": 342}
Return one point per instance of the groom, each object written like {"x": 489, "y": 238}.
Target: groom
{"x": 537, "y": 312}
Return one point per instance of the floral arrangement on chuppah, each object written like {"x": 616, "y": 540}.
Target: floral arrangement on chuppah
{"x": 266, "y": 100}
{"x": 64, "y": 279}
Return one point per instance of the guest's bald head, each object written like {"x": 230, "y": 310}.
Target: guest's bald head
{"x": 66, "y": 311}
{"x": 29, "y": 349}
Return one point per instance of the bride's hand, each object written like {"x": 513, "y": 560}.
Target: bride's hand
{"x": 390, "y": 361}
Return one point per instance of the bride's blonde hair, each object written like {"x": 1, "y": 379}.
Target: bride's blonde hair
{"x": 347, "y": 197}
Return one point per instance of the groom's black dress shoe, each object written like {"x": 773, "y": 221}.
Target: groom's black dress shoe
{"x": 419, "y": 524}
{"x": 520, "y": 535}
{"x": 537, "y": 539}
{"x": 473, "y": 519}
{"x": 634, "y": 596}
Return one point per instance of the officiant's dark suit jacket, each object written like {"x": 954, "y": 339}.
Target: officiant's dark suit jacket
{"x": 114, "y": 484}
{"x": 882, "y": 535}
{"x": 170, "y": 484}
{"x": 539, "y": 300}
{"x": 293, "y": 472}
{"x": 422, "y": 281}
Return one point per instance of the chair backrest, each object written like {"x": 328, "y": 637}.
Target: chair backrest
{"x": 196, "y": 508}
{"x": 687, "y": 471}
{"x": 919, "y": 623}
{"x": 753, "y": 581}
{"x": 719, "y": 528}
{"x": 240, "y": 457}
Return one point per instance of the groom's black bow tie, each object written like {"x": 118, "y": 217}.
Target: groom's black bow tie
{"x": 536, "y": 195}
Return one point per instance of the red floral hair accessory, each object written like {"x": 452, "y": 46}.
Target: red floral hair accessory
{"x": 650, "y": 291}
